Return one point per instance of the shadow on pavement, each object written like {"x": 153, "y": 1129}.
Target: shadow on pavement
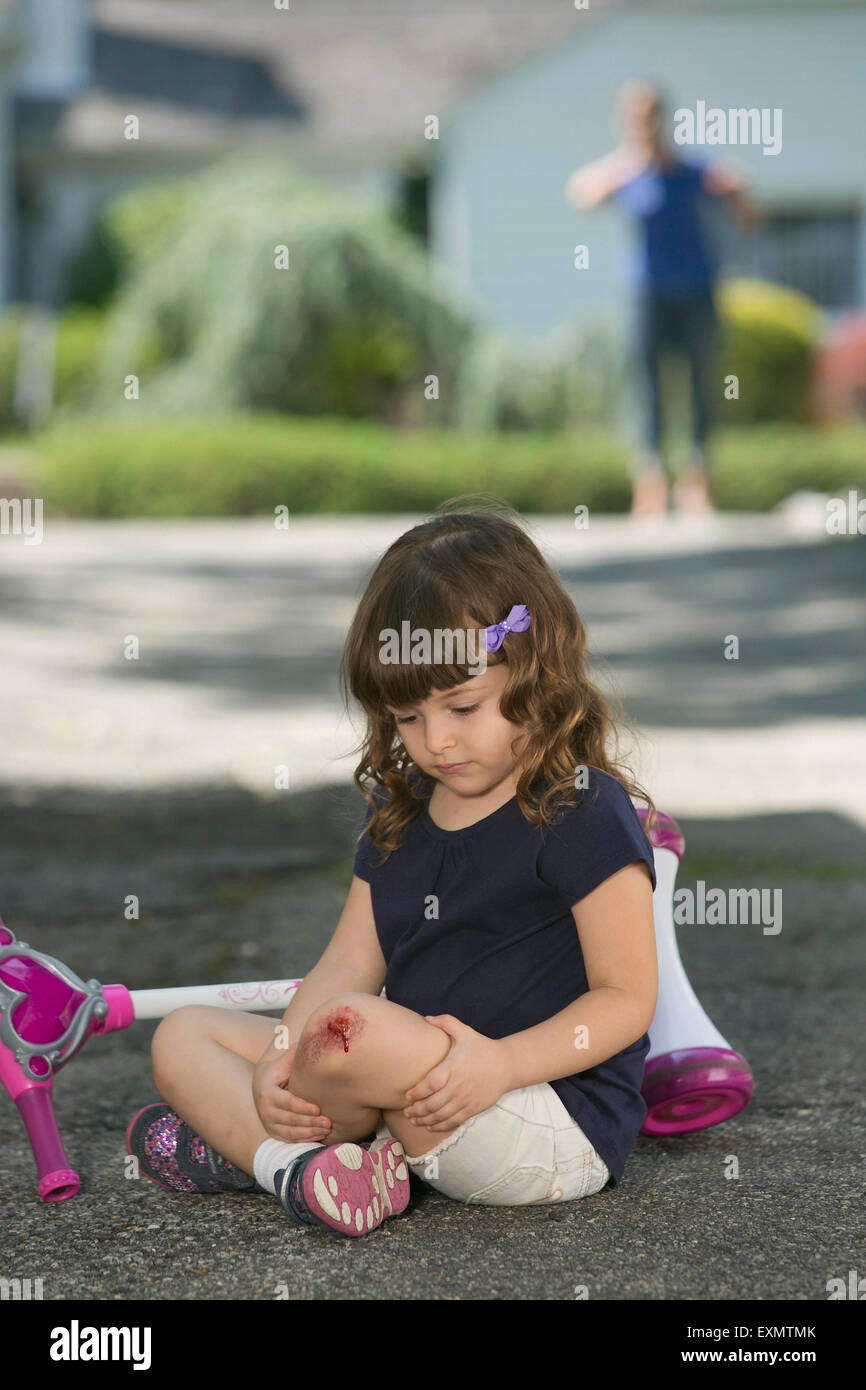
{"x": 226, "y": 900}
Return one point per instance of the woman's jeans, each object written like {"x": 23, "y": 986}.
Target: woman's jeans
{"x": 688, "y": 322}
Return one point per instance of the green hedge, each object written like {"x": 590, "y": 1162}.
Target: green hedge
{"x": 79, "y": 336}
{"x": 247, "y": 465}
{"x": 243, "y": 465}
{"x": 769, "y": 336}
{"x": 756, "y": 468}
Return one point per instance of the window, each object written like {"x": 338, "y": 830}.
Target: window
{"x": 814, "y": 252}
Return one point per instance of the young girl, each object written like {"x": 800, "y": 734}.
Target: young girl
{"x": 502, "y": 895}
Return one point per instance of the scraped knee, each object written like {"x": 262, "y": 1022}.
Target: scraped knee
{"x": 332, "y": 1037}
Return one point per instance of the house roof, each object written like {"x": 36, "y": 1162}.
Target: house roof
{"x": 347, "y": 76}
{"x": 346, "y": 79}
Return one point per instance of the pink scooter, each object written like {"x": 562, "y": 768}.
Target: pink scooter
{"x": 693, "y": 1079}
{"x": 692, "y": 1076}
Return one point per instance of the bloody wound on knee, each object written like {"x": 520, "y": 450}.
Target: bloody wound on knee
{"x": 335, "y": 1031}
{"x": 340, "y": 1026}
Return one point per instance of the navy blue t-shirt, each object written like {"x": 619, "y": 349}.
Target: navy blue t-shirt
{"x": 674, "y": 251}
{"x": 504, "y": 954}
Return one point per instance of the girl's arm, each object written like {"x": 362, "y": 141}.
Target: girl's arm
{"x": 617, "y": 937}
{"x": 352, "y": 960}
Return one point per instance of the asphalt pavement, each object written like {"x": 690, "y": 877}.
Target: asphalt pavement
{"x": 156, "y": 778}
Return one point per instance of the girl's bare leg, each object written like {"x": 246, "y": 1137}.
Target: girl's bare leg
{"x": 203, "y": 1062}
{"x": 357, "y": 1056}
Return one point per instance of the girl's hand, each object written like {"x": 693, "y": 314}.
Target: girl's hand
{"x": 470, "y": 1079}
{"x": 285, "y": 1116}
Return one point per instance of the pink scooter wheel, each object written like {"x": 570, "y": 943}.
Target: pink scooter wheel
{"x": 694, "y": 1089}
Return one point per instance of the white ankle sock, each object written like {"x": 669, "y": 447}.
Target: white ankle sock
{"x": 273, "y": 1155}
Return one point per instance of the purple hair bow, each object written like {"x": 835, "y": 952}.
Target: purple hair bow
{"x": 518, "y": 620}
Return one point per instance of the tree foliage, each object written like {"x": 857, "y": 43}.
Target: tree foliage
{"x": 208, "y": 321}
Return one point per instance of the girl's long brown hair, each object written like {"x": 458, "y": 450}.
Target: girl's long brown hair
{"x": 466, "y": 567}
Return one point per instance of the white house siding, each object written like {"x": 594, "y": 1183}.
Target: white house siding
{"x": 499, "y": 219}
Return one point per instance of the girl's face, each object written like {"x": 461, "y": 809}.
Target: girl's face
{"x": 463, "y": 729}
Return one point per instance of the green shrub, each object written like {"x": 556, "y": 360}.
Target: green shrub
{"x": 210, "y": 324}
{"x": 249, "y": 464}
{"x": 77, "y": 345}
{"x": 142, "y": 222}
{"x": 93, "y": 272}
{"x": 573, "y": 378}
{"x": 244, "y": 465}
{"x": 769, "y": 336}
{"x": 79, "y": 339}
{"x": 758, "y": 467}
{"x": 10, "y": 332}
{"x": 127, "y": 232}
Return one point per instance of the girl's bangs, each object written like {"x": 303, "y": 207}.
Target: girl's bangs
{"x": 400, "y": 685}
{"x": 407, "y": 681}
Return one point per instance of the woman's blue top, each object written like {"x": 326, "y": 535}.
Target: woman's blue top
{"x": 673, "y": 251}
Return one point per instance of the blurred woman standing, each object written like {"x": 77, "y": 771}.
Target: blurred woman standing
{"x": 674, "y": 279}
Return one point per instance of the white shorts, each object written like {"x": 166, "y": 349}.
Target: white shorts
{"x": 525, "y": 1149}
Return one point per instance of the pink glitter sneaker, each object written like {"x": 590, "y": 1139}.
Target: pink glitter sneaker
{"x": 172, "y": 1155}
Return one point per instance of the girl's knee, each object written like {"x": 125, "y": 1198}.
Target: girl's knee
{"x": 174, "y": 1032}
{"x": 334, "y": 1035}
{"x": 192, "y": 1018}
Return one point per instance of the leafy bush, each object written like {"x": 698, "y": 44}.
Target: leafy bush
{"x": 246, "y": 465}
{"x": 127, "y": 232}
{"x": 572, "y": 378}
{"x": 243, "y": 465}
{"x": 77, "y": 345}
{"x": 10, "y": 333}
{"x": 758, "y": 467}
{"x": 769, "y": 340}
{"x": 209, "y": 323}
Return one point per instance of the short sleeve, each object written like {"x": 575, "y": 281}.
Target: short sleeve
{"x": 367, "y": 855}
{"x": 698, "y": 168}
{"x": 594, "y": 840}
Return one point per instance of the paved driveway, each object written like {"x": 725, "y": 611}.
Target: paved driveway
{"x": 147, "y": 777}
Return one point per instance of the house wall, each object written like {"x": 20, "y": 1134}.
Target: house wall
{"x": 499, "y": 220}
